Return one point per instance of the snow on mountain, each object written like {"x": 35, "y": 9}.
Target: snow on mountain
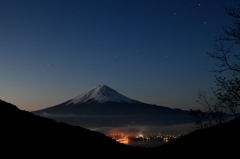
{"x": 101, "y": 94}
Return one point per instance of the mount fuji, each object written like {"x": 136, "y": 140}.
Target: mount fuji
{"x": 102, "y": 105}
{"x": 101, "y": 94}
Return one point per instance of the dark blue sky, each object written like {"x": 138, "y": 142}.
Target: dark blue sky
{"x": 153, "y": 51}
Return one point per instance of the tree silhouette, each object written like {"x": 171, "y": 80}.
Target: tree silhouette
{"x": 227, "y": 97}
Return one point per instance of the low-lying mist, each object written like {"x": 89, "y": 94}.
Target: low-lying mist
{"x": 122, "y": 125}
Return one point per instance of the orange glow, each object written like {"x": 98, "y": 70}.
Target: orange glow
{"x": 165, "y": 139}
{"x": 123, "y": 140}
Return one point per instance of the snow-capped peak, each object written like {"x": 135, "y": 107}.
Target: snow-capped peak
{"x": 101, "y": 94}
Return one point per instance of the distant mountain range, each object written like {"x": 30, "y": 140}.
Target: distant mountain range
{"x": 103, "y": 106}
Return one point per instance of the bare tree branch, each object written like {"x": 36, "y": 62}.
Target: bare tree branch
{"x": 227, "y": 94}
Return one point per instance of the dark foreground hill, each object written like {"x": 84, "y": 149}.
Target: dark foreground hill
{"x": 219, "y": 141}
{"x": 29, "y": 135}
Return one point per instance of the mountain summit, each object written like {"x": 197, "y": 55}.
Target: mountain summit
{"x": 101, "y": 94}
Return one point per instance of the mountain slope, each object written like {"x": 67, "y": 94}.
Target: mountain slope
{"x": 25, "y": 134}
{"x": 215, "y": 142}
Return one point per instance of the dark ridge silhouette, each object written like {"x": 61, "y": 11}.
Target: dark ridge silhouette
{"x": 219, "y": 141}
{"x": 29, "y": 135}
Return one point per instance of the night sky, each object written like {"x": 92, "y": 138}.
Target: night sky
{"x": 153, "y": 51}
